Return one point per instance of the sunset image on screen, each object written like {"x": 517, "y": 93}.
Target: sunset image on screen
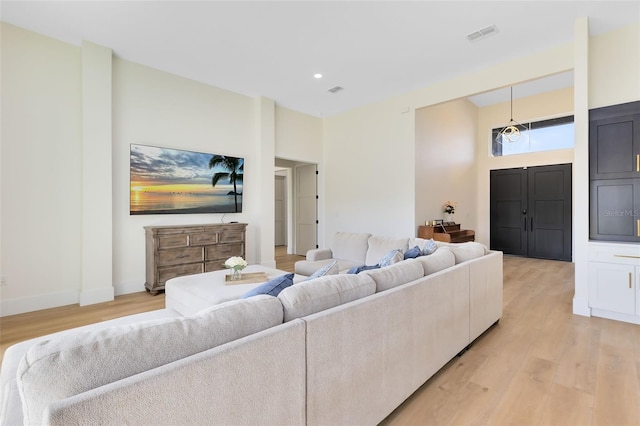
{"x": 167, "y": 180}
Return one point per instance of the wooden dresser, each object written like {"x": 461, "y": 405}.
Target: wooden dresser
{"x": 173, "y": 251}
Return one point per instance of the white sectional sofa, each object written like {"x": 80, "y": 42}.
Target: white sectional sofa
{"x": 340, "y": 349}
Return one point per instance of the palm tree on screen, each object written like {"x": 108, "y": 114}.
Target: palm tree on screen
{"x": 234, "y": 172}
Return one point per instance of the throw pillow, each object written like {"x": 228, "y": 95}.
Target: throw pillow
{"x": 358, "y": 269}
{"x": 412, "y": 253}
{"x": 394, "y": 256}
{"x": 429, "y": 247}
{"x": 330, "y": 268}
{"x": 272, "y": 287}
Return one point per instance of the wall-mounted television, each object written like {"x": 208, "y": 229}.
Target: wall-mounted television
{"x": 170, "y": 181}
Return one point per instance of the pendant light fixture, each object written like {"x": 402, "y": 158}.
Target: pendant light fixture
{"x": 510, "y": 132}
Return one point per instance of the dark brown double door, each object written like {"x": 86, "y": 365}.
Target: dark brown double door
{"x": 530, "y": 211}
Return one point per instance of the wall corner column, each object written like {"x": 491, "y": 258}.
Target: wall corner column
{"x": 265, "y": 111}
{"x": 581, "y": 167}
{"x": 97, "y": 193}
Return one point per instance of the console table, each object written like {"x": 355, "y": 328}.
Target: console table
{"x": 446, "y": 233}
{"x": 174, "y": 251}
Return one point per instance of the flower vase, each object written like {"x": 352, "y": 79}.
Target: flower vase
{"x": 236, "y": 274}
{"x": 449, "y": 217}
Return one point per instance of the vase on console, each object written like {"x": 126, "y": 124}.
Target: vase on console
{"x": 449, "y": 209}
{"x": 449, "y": 217}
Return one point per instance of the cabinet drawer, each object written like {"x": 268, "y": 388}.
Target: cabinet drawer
{"x": 203, "y": 239}
{"x": 214, "y": 265}
{"x": 179, "y": 256}
{"x": 166, "y": 273}
{"x": 231, "y": 236}
{"x": 224, "y": 251}
{"x": 170, "y": 241}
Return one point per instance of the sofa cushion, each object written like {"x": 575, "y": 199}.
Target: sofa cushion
{"x": 380, "y": 246}
{"x": 308, "y": 268}
{"x": 430, "y": 246}
{"x": 395, "y": 275}
{"x": 328, "y": 269}
{"x": 309, "y": 297}
{"x": 272, "y": 287}
{"x": 350, "y": 246}
{"x": 441, "y": 259}
{"x": 467, "y": 251}
{"x": 58, "y": 368}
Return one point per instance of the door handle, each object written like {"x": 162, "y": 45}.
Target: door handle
{"x": 531, "y": 227}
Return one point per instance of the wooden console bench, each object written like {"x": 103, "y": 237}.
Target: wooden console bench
{"x": 446, "y": 233}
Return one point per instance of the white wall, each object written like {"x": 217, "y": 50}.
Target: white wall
{"x": 40, "y": 171}
{"x": 614, "y": 67}
{"x": 47, "y": 258}
{"x": 445, "y": 161}
{"x": 370, "y": 177}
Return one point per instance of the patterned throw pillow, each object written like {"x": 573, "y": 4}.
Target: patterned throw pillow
{"x": 429, "y": 247}
{"x": 394, "y": 256}
{"x": 330, "y": 268}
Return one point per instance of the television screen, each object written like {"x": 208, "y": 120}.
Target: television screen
{"x": 165, "y": 181}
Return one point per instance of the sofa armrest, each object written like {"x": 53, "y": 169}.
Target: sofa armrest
{"x": 319, "y": 254}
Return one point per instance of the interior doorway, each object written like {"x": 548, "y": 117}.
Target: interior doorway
{"x": 530, "y": 211}
{"x": 296, "y": 206}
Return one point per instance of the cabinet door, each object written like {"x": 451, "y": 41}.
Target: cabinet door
{"x": 614, "y": 147}
{"x": 612, "y": 287}
{"x": 615, "y": 210}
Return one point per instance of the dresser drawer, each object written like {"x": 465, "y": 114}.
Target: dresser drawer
{"x": 215, "y": 265}
{"x": 231, "y": 236}
{"x": 167, "y": 272}
{"x": 203, "y": 239}
{"x": 179, "y": 256}
{"x": 224, "y": 251}
{"x": 170, "y": 241}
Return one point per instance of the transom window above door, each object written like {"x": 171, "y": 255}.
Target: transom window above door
{"x": 545, "y": 135}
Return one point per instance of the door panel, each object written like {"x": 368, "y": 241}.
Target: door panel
{"x": 507, "y": 203}
{"x": 306, "y": 209}
{"x": 549, "y": 199}
{"x": 280, "y": 227}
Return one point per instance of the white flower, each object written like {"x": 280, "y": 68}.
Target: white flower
{"x": 236, "y": 262}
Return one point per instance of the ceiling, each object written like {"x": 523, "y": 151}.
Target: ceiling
{"x": 372, "y": 49}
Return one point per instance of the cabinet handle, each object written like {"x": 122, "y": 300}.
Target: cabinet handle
{"x": 630, "y": 280}
{"x": 638, "y": 226}
{"x": 625, "y": 255}
{"x": 638, "y": 163}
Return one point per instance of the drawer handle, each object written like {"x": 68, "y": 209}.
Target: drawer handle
{"x": 638, "y": 163}
{"x": 627, "y": 256}
{"x": 638, "y": 226}
{"x": 630, "y": 280}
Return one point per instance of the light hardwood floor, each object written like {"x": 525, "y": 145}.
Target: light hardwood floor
{"x": 540, "y": 365}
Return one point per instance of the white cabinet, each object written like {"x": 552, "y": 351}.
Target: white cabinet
{"x": 614, "y": 281}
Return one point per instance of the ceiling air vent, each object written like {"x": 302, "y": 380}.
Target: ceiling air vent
{"x": 482, "y": 33}
{"x": 336, "y": 89}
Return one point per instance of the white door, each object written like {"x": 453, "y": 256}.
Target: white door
{"x": 280, "y": 211}
{"x": 306, "y": 208}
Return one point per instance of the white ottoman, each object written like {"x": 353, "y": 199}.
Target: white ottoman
{"x": 192, "y": 293}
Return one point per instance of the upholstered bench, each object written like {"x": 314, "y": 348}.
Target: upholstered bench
{"x": 190, "y": 294}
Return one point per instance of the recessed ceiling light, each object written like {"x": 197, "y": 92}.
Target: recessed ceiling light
{"x": 317, "y": 75}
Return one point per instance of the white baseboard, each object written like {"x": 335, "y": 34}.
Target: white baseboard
{"x": 580, "y": 307}
{"x": 21, "y": 305}
{"x": 129, "y": 287}
{"x": 96, "y": 295}
{"x": 269, "y": 264}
